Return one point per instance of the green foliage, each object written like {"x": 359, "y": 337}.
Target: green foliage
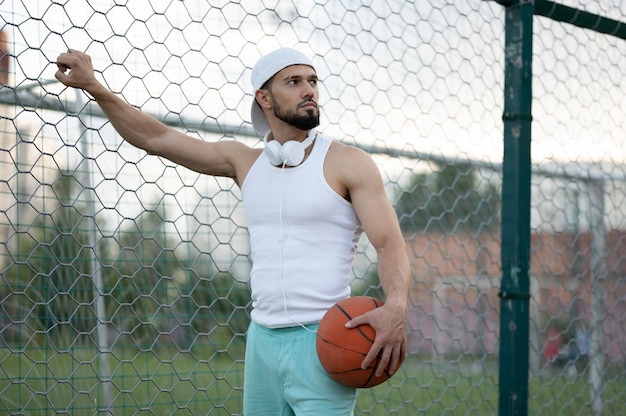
{"x": 141, "y": 277}
{"x": 152, "y": 295}
{"x": 369, "y": 284}
{"x": 50, "y": 277}
{"x": 450, "y": 199}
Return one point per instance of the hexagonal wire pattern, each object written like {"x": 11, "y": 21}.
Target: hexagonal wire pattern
{"x": 124, "y": 276}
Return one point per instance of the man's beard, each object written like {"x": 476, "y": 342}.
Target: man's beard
{"x": 304, "y": 122}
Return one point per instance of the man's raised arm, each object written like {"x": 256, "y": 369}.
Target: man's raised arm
{"x": 145, "y": 132}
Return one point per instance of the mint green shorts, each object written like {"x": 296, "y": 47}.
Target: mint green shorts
{"x": 283, "y": 376}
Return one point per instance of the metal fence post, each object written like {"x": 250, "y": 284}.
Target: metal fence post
{"x": 516, "y": 171}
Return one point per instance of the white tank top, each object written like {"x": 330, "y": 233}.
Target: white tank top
{"x": 303, "y": 237}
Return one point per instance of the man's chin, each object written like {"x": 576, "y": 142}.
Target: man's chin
{"x": 306, "y": 126}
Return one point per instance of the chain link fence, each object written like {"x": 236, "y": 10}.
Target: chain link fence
{"x": 124, "y": 277}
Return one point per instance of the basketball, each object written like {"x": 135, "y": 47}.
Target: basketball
{"x": 341, "y": 350}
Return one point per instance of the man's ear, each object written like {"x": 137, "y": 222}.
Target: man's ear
{"x": 263, "y": 99}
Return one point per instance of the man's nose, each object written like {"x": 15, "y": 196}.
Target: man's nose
{"x": 309, "y": 90}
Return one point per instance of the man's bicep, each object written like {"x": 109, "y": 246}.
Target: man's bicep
{"x": 373, "y": 207}
{"x": 211, "y": 158}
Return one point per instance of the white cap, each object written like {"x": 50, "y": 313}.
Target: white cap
{"x": 266, "y": 67}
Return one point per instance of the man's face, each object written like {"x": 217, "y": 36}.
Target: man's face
{"x": 294, "y": 94}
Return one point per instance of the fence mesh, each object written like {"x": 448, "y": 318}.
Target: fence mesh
{"x": 124, "y": 277}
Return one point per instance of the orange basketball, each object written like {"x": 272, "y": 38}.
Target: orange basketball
{"x": 341, "y": 350}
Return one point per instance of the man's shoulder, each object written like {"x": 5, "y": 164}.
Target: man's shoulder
{"x": 349, "y": 161}
{"x": 348, "y": 152}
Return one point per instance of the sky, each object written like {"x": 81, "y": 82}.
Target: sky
{"x": 423, "y": 78}
{"x": 428, "y": 76}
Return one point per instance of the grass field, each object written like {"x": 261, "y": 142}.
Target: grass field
{"x": 203, "y": 382}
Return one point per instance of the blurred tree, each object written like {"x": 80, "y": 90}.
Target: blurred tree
{"x": 50, "y": 286}
{"x": 450, "y": 199}
{"x": 153, "y": 292}
{"x": 142, "y": 278}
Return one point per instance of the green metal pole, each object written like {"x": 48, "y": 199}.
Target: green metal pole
{"x": 580, "y": 18}
{"x": 516, "y": 170}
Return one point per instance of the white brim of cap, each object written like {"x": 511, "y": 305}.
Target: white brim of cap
{"x": 259, "y": 122}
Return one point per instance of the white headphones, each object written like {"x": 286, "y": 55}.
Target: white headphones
{"x": 291, "y": 153}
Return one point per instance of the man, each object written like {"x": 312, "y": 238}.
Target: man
{"x": 306, "y": 198}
